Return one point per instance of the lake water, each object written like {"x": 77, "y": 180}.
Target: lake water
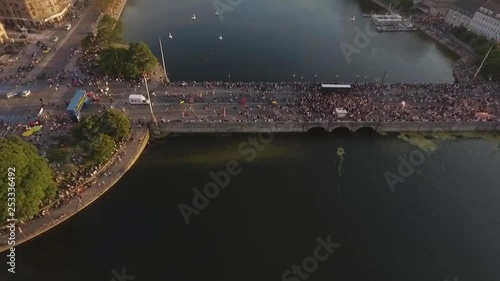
{"x": 440, "y": 222}
{"x": 273, "y": 40}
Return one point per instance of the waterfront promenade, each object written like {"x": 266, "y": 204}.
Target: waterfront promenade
{"x": 102, "y": 182}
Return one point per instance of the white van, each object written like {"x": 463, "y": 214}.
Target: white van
{"x": 68, "y": 26}
{"x": 55, "y": 38}
{"x": 138, "y": 99}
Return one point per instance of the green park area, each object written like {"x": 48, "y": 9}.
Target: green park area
{"x": 39, "y": 178}
{"x": 113, "y": 56}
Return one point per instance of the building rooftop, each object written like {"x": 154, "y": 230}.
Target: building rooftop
{"x": 469, "y": 5}
{"x": 492, "y": 7}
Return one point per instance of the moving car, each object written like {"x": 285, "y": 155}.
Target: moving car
{"x": 68, "y": 26}
{"x": 21, "y": 68}
{"x": 47, "y": 50}
{"x": 30, "y": 67}
{"x": 25, "y": 94}
{"x": 55, "y": 38}
{"x": 137, "y": 99}
{"x": 11, "y": 95}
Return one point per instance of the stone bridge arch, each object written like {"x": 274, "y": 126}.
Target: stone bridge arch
{"x": 317, "y": 130}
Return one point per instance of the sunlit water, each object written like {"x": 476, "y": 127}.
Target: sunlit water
{"x": 272, "y": 40}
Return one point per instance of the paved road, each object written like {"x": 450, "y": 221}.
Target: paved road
{"x": 15, "y": 110}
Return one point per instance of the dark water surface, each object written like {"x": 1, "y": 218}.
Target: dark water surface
{"x": 442, "y": 221}
{"x": 274, "y": 40}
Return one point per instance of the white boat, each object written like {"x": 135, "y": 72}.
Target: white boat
{"x": 193, "y": 17}
{"x": 220, "y": 37}
{"x": 217, "y": 13}
{"x": 170, "y": 35}
{"x": 353, "y": 18}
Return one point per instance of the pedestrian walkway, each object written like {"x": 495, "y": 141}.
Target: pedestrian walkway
{"x": 12, "y": 130}
{"x": 35, "y": 227}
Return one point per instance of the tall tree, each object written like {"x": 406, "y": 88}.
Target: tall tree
{"x": 30, "y": 184}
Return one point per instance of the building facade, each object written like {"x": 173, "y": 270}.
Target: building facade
{"x": 462, "y": 12}
{"x": 438, "y": 7}
{"x": 3, "y": 34}
{"x": 486, "y": 21}
{"x": 22, "y": 13}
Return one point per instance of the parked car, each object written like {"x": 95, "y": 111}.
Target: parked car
{"x": 34, "y": 55}
{"x": 36, "y": 60}
{"x": 46, "y": 51}
{"x": 55, "y": 38}
{"x": 30, "y": 67}
{"x": 21, "y": 68}
{"x": 39, "y": 43}
{"x": 26, "y": 93}
{"x": 11, "y": 95}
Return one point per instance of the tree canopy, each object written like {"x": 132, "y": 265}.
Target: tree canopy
{"x": 97, "y": 134}
{"x": 102, "y": 148}
{"x": 33, "y": 178}
{"x": 109, "y": 30}
{"x": 132, "y": 62}
{"x": 111, "y": 122}
{"x": 481, "y": 45}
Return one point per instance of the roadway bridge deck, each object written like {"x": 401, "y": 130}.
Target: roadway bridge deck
{"x": 302, "y": 127}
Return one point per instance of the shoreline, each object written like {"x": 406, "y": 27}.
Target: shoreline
{"x": 459, "y": 78}
{"x": 37, "y": 226}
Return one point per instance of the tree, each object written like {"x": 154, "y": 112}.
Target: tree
{"x": 109, "y": 30}
{"x": 101, "y": 148}
{"x": 113, "y": 61}
{"x": 115, "y": 124}
{"x": 32, "y": 176}
{"x": 141, "y": 58}
{"x": 132, "y": 62}
{"x": 87, "y": 128}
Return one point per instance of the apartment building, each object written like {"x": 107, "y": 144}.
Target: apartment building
{"x": 32, "y": 12}
{"x": 486, "y": 20}
{"x": 438, "y": 7}
{"x": 462, "y": 12}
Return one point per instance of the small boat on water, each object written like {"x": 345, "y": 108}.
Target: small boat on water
{"x": 217, "y": 13}
{"x": 170, "y": 35}
{"x": 193, "y": 17}
{"x": 353, "y": 18}
{"x": 220, "y": 37}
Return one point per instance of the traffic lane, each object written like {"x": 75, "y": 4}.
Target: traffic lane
{"x": 70, "y": 39}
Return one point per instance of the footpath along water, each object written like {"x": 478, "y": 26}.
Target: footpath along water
{"x": 35, "y": 227}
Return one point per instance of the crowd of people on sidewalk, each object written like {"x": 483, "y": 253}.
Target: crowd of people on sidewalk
{"x": 465, "y": 67}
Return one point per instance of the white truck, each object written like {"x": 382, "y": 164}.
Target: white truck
{"x": 137, "y": 99}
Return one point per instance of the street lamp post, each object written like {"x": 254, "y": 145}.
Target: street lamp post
{"x": 336, "y": 78}
{"x": 153, "y": 118}
{"x": 485, "y": 57}
{"x": 315, "y": 78}
{"x": 385, "y": 75}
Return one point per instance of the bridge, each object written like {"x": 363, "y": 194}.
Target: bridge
{"x": 336, "y": 126}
